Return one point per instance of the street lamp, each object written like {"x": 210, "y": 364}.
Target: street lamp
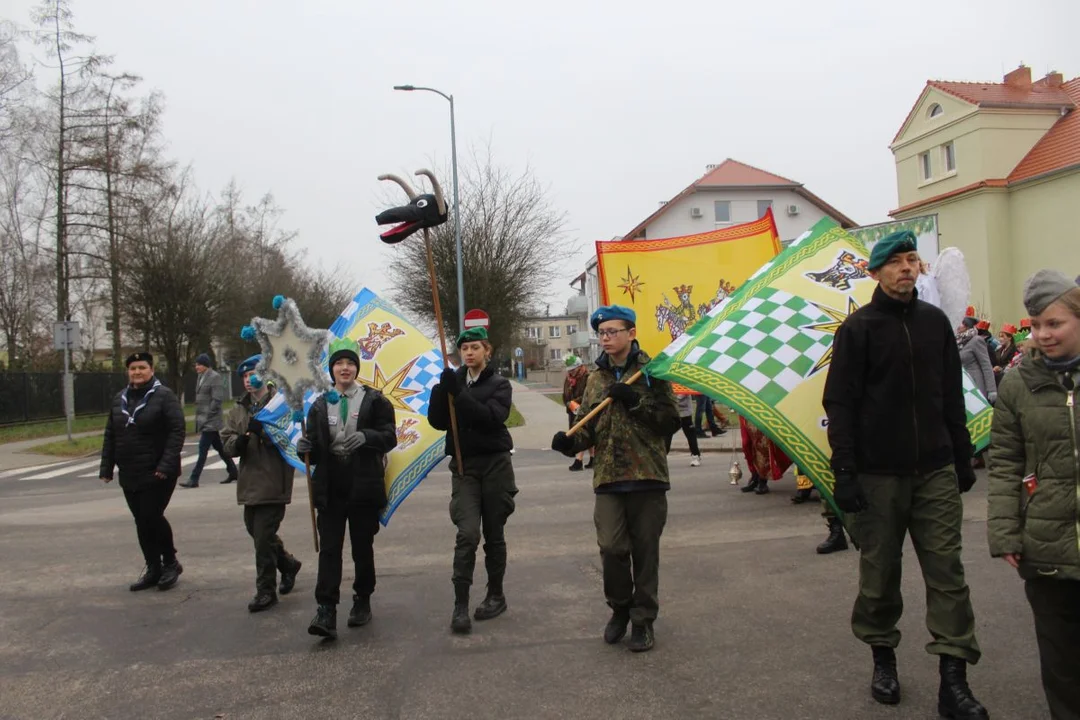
{"x": 457, "y": 207}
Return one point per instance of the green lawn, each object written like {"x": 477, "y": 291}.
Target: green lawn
{"x": 75, "y": 448}
{"x": 554, "y": 397}
{"x": 515, "y": 419}
{"x": 83, "y": 423}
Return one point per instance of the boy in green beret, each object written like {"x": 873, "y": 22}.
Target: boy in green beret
{"x": 901, "y": 455}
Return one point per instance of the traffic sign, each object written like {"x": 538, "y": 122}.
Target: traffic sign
{"x": 65, "y": 335}
{"x": 518, "y": 352}
{"x": 477, "y": 318}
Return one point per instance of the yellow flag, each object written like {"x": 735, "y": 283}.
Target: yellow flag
{"x": 673, "y": 282}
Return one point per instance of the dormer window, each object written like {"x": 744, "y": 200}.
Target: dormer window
{"x": 935, "y": 111}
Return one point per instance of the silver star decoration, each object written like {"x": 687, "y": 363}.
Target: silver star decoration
{"x": 284, "y": 342}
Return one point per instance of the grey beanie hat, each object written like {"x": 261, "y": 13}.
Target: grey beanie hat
{"x": 1043, "y": 288}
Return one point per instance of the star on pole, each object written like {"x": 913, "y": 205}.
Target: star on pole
{"x": 631, "y": 284}
{"x": 292, "y": 354}
{"x": 829, "y": 327}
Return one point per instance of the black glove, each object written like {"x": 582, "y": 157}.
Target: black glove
{"x": 448, "y": 381}
{"x": 848, "y": 494}
{"x": 965, "y": 476}
{"x": 255, "y": 427}
{"x": 621, "y": 392}
{"x": 562, "y": 443}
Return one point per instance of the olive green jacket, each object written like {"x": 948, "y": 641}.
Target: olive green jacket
{"x": 629, "y": 444}
{"x": 1036, "y": 432}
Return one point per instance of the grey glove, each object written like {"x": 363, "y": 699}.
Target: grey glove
{"x": 303, "y": 446}
{"x": 992, "y": 397}
{"x": 352, "y": 443}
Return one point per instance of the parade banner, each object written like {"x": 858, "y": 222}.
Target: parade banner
{"x": 398, "y": 360}
{"x": 765, "y": 350}
{"x": 672, "y": 282}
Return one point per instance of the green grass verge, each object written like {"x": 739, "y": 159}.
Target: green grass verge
{"x": 515, "y": 419}
{"x": 83, "y": 423}
{"x": 79, "y": 447}
{"x": 555, "y": 398}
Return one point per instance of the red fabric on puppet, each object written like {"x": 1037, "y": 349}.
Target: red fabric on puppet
{"x": 763, "y": 457}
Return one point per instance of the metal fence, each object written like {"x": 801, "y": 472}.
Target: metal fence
{"x": 26, "y": 397}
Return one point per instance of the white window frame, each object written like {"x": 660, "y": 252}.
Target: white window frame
{"x": 948, "y": 157}
{"x": 554, "y": 332}
{"x": 533, "y": 332}
{"x": 926, "y": 168}
{"x": 571, "y": 329}
{"x": 935, "y": 106}
{"x": 556, "y": 353}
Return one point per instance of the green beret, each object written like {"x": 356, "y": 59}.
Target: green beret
{"x": 898, "y": 242}
{"x": 472, "y": 335}
{"x": 612, "y": 312}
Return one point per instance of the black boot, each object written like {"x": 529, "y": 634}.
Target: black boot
{"x": 801, "y": 496}
{"x": 459, "y": 621}
{"x": 836, "y": 540}
{"x": 589, "y": 465}
{"x": 615, "y": 630}
{"x": 576, "y": 466}
{"x": 762, "y": 487}
{"x": 752, "y": 485}
{"x": 263, "y": 600}
{"x": 288, "y": 577}
{"x": 360, "y": 614}
{"x": 170, "y": 573}
{"x": 885, "y": 685}
{"x": 641, "y": 637}
{"x": 955, "y": 700}
{"x": 150, "y": 577}
{"x": 324, "y": 624}
{"x": 494, "y": 604}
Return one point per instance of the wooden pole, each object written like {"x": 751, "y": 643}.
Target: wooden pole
{"x": 442, "y": 343}
{"x": 600, "y": 408}
{"x": 310, "y": 490}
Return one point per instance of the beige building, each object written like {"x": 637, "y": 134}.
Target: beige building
{"x": 999, "y": 164}
{"x": 547, "y": 339}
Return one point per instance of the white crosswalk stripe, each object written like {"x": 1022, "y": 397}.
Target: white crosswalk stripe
{"x": 49, "y": 471}
{"x": 32, "y": 468}
{"x": 57, "y": 472}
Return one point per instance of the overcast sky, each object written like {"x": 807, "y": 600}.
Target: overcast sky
{"x": 615, "y": 105}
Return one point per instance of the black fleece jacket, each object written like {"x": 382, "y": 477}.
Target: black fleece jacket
{"x": 482, "y": 410}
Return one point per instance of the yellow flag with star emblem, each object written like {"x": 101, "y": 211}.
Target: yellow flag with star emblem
{"x": 673, "y": 282}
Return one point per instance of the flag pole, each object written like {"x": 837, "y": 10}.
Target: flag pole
{"x": 310, "y": 491}
{"x": 442, "y": 343}
{"x": 599, "y": 408}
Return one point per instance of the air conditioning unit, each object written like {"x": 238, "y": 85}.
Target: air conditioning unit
{"x": 695, "y": 212}
{"x": 792, "y": 209}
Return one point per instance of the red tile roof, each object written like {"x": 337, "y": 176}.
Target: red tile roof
{"x": 1059, "y": 148}
{"x": 1035, "y": 95}
{"x": 734, "y": 174}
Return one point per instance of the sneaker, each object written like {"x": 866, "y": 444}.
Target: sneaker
{"x": 360, "y": 614}
{"x": 695, "y": 461}
{"x": 288, "y": 579}
{"x": 641, "y": 638}
{"x": 170, "y": 573}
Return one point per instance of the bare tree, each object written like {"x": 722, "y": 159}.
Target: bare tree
{"x": 513, "y": 241}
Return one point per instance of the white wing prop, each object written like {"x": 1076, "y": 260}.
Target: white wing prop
{"x": 953, "y": 284}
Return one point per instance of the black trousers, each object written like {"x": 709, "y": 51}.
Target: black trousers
{"x": 1056, "y": 606}
{"x": 363, "y": 525}
{"x": 147, "y": 506}
{"x": 690, "y": 435}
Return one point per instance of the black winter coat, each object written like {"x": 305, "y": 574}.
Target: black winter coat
{"x": 481, "y": 414}
{"x": 152, "y": 443}
{"x": 360, "y": 477}
{"x": 894, "y": 393}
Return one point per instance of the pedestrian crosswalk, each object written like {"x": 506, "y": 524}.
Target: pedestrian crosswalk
{"x": 82, "y": 468}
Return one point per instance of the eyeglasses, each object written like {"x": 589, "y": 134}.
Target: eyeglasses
{"x": 611, "y": 333}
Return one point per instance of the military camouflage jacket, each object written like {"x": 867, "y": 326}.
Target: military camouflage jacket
{"x": 629, "y": 444}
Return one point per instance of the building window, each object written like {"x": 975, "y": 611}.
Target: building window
{"x": 571, "y": 329}
{"x": 948, "y": 152}
{"x": 556, "y": 354}
{"x": 934, "y": 111}
{"x": 722, "y": 208}
{"x": 534, "y": 332}
{"x": 763, "y": 206}
{"x": 554, "y": 331}
{"x": 924, "y": 165}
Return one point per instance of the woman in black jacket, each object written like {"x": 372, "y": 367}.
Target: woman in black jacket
{"x": 481, "y": 498}
{"x": 349, "y": 431}
{"x": 144, "y": 437}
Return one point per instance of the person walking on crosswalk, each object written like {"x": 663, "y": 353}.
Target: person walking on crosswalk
{"x": 209, "y": 397}
{"x": 144, "y": 437}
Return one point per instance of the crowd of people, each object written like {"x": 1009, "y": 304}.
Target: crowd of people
{"x": 901, "y": 455}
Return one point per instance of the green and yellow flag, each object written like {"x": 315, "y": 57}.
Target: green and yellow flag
{"x": 765, "y": 351}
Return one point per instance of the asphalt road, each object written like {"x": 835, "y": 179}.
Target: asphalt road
{"x": 753, "y": 625}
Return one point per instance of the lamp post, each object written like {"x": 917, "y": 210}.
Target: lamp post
{"x": 457, "y": 207}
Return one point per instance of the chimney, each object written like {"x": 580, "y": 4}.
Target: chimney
{"x": 1019, "y": 78}
{"x": 1052, "y": 80}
